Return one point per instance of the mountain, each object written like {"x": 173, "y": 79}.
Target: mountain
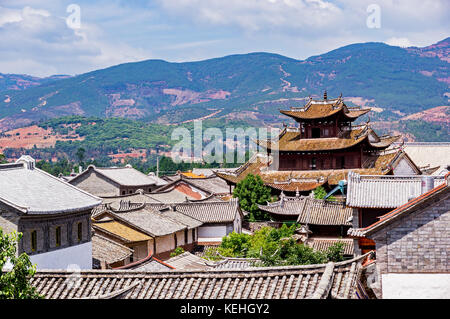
{"x": 395, "y": 81}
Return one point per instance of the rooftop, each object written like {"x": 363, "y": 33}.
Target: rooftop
{"x": 124, "y": 176}
{"x": 311, "y": 211}
{"x": 305, "y": 180}
{"x": 318, "y": 109}
{"x": 335, "y": 280}
{"x": 33, "y": 191}
{"x": 406, "y": 208}
{"x": 150, "y": 221}
{"x": 290, "y": 140}
{"x": 210, "y": 212}
{"x": 389, "y": 191}
{"x": 107, "y": 250}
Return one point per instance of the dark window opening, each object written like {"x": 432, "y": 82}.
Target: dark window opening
{"x": 80, "y": 232}
{"x": 123, "y": 192}
{"x": 315, "y": 132}
{"x": 58, "y": 236}
{"x": 185, "y": 236}
{"x": 193, "y": 234}
{"x": 33, "y": 241}
{"x": 175, "y": 239}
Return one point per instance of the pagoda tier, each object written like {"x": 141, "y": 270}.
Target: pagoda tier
{"x": 324, "y": 118}
{"x": 343, "y": 151}
{"x": 292, "y": 181}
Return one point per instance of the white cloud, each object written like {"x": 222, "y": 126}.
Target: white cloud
{"x": 35, "y": 42}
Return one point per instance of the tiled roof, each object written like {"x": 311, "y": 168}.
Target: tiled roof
{"x": 286, "y": 206}
{"x": 290, "y": 140}
{"x": 120, "y": 230}
{"x": 320, "y": 212}
{"x": 410, "y": 206}
{"x": 389, "y": 191}
{"x": 311, "y": 211}
{"x": 33, "y": 191}
{"x": 179, "y": 217}
{"x": 211, "y": 212}
{"x": 322, "y": 244}
{"x": 213, "y": 184}
{"x": 377, "y": 164}
{"x": 236, "y": 263}
{"x": 188, "y": 261}
{"x": 124, "y": 176}
{"x": 322, "y": 109}
{"x": 336, "y": 280}
{"x": 150, "y": 221}
{"x": 104, "y": 249}
{"x": 169, "y": 196}
{"x": 149, "y": 263}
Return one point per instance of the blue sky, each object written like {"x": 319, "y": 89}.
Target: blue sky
{"x": 35, "y": 38}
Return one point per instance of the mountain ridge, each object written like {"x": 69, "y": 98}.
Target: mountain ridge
{"x": 397, "y": 81}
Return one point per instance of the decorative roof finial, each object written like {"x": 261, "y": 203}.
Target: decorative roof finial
{"x": 325, "y": 95}
{"x": 297, "y": 193}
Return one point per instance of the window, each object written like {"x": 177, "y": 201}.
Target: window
{"x": 123, "y": 192}
{"x": 315, "y": 132}
{"x": 185, "y": 236}
{"x": 33, "y": 240}
{"x": 58, "y": 236}
{"x": 175, "y": 239}
{"x": 80, "y": 232}
{"x": 326, "y": 132}
{"x": 193, "y": 234}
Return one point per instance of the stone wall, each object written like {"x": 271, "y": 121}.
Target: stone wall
{"x": 417, "y": 243}
{"x": 45, "y": 227}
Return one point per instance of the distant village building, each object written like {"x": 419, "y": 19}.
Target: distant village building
{"x": 114, "y": 181}
{"x": 219, "y": 218}
{"x": 413, "y": 247}
{"x": 147, "y": 231}
{"x": 433, "y": 158}
{"x": 322, "y": 149}
{"x": 372, "y": 196}
{"x": 54, "y": 217}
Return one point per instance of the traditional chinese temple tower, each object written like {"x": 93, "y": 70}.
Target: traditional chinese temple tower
{"x": 322, "y": 148}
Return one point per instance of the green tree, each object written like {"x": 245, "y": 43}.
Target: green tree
{"x": 3, "y": 159}
{"x": 275, "y": 247}
{"x": 320, "y": 193}
{"x": 14, "y": 283}
{"x": 251, "y": 191}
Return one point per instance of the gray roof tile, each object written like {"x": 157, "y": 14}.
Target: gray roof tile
{"x": 34, "y": 191}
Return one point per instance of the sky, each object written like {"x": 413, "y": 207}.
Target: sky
{"x": 43, "y": 38}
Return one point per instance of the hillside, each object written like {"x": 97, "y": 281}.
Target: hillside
{"x": 396, "y": 81}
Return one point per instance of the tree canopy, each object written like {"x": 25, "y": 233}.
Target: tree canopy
{"x": 275, "y": 247}
{"x": 14, "y": 283}
{"x": 251, "y": 191}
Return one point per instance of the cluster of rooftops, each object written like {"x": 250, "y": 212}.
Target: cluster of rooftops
{"x": 130, "y": 208}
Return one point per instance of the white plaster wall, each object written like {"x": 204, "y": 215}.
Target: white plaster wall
{"x": 212, "y": 231}
{"x": 80, "y": 255}
{"x": 415, "y": 286}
